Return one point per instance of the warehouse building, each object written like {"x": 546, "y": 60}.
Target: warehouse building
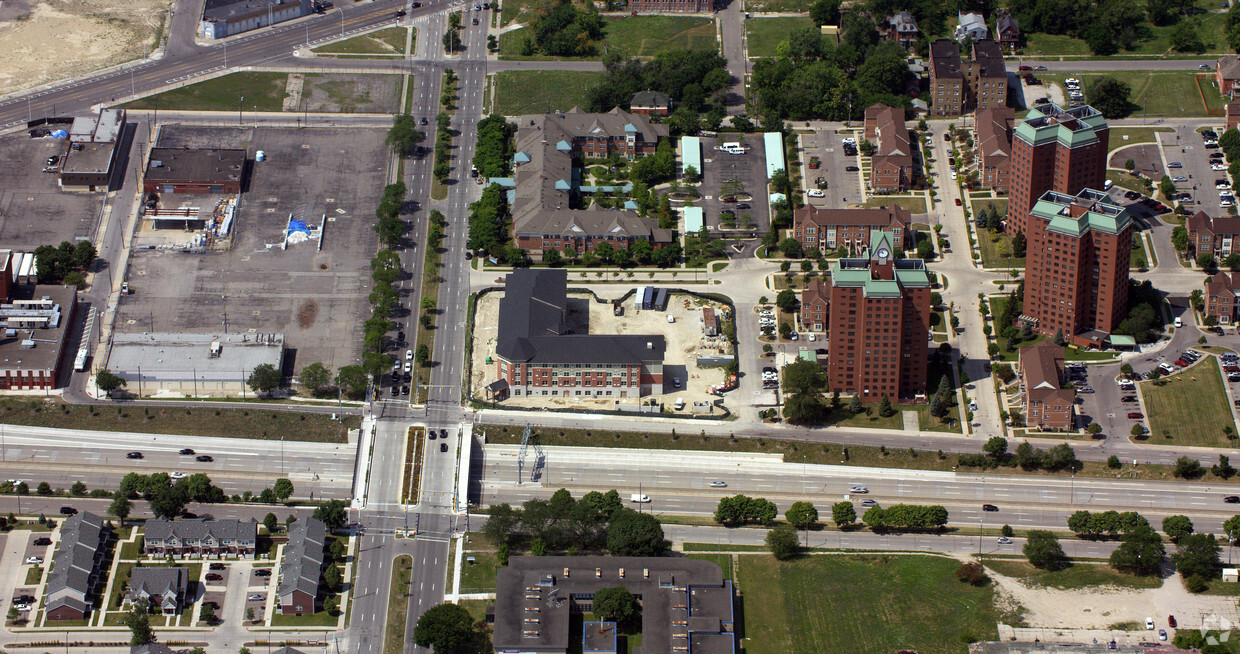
{"x": 221, "y": 18}
{"x": 181, "y": 170}
{"x": 155, "y": 363}
{"x": 92, "y": 152}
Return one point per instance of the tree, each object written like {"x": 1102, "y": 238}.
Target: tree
{"x": 1019, "y": 245}
{"x": 333, "y": 513}
{"x": 1176, "y": 527}
{"x": 264, "y": 378}
{"x": 423, "y": 355}
{"x": 1197, "y": 555}
{"x": 786, "y": 300}
{"x": 635, "y": 534}
{"x": 315, "y": 377}
{"x": 824, "y": 12}
{"x": 1114, "y": 463}
{"x": 1043, "y": 550}
{"x": 404, "y": 135}
{"x": 444, "y": 628}
{"x": 1223, "y": 468}
{"x": 107, "y": 381}
{"x": 120, "y": 507}
{"x": 854, "y": 405}
{"x": 331, "y": 577}
{"x": 271, "y": 522}
{"x": 139, "y": 626}
{"x": 802, "y": 515}
{"x": 617, "y": 604}
{"x": 1231, "y": 528}
{"x": 1110, "y": 96}
{"x": 452, "y": 40}
{"x": 1187, "y": 468}
{"x": 884, "y": 407}
{"x": 782, "y": 540}
{"x": 843, "y": 514}
{"x": 1166, "y": 187}
{"x": 78, "y": 488}
{"x": 996, "y": 447}
{"x": 283, "y": 489}
{"x": 1206, "y": 261}
{"x": 353, "y": 380}
{"x": 1185, "y": 38}
{"x": 804, "y": 377}
{"x": 1179, "y": 237}
{"x": 972, "y": 573}
{"x": 1141, "y": 552}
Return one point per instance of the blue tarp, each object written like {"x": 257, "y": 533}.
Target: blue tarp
{"x": 297, "y": 226}
{"x": 59, "y": 134}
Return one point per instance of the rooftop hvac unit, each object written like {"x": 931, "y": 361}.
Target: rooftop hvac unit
{"x": 10, "y": 332}
{"x": 27, "y": 344}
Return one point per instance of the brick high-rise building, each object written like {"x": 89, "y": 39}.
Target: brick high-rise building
{"x": 879, "y": 324}
{"x": 1061, "y": 150}
{"x": 1076, "y": 270}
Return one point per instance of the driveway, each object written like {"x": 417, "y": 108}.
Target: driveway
{"x": 232, "y": 609}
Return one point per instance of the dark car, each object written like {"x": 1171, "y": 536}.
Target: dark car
{"x": 134, "y": 455}
{"x": 1128, "y": 398}
{"x": 68, "y": 510}
{"x": 204, "y": 458}
{"x": 53, "y": 160}
{"x": 415, "y": 6}
{"x": 214, "y": 576}
{"x": 852, "y": 169}
{"x": 43, "y": 541}
{"x": 400, "y": 336}
{"x": 395, "y": 391}
{"x": 404, "y": 389}
{"x": 475, "y": 21}
{"x": 443, "y": 433}
{"x": 262, "y": 572}
{"x": 743, "y": 205}
{"x": 400, "y": 13}
{"x": 23, "y": 599}
{"x": 1042, "y": 101}
{"x": 216, "y": 566}
{"x": 1232, "y": 499}
{"x": 989, "y": 507}
{"x": 431, "y": 435}
{"x": 443, "y": 447}
{"x": 1171, "y": 621}
{"x": 423, "y": 121}
{"x": 187, "y": 452}
{"x": 1136, "y": 415}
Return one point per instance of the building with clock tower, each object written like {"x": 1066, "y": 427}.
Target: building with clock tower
{"x": 879, "y": 324}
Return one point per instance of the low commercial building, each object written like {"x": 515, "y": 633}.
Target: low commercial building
{"x": 1221, "y": 297}
{"x": 35, "y": 320}
{"x": 994, "y": 147}
{"x": 1210, "y": 235}
{"x": 181, "y": 170}
{"x": 200, "y": 539}
{"x": 891, "y": 165}
{"x": 192, "y": 364}
{"x": 823, "y": 231}
{"x": 162, "y": 587}
{"x": 302, "y": 567}
{"x": 687, "y": 606}
{"x": 93, "y": 150}
{"x": 221, "y": 18}
{"x": 1048, "y": 406}
{"x": 76, "y": 566}
{"x": 536, "y": 354}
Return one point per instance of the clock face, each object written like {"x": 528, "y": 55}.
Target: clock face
{"x": 882, "y": 253}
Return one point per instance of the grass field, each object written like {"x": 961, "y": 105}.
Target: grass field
{"x": 1157, "y": 40}
{"x": 262, "y": 91}
{"x": 389, "y": 40}
{"x": 1122, "y": 179}
{"x": 398, "y": 606}
{"x": 1121, "y": 136}
{"x": 643, "y": 36}
{"x": 913, "y": 205}
{"x": 764, "y": 34}
{"x": 204, "y": 421}
{"x": 479, "y": 577}
{"x": 1075, "y": 576}
{"x": 861, "y": 604}
{"x": 990, "y": 251}
{"x": 519, "y": 92}
{"x": 1157, "y": 93}
{"x": 1190, "y": 409}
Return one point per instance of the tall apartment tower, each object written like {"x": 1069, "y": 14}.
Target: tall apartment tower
{"x": 1076, "y": 269}
{"x": 879, "y": 323}
{"x": 1061, "y": 150}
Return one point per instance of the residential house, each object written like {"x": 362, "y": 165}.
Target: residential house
{"x": 1007, "y": 32}
{"x": 994, "y": 147}
{"x": 823, "y": 231}
{"x": 302, "y": 567}
{"x": 971, "y": 26}
{"x": 1209, "y": 235}
{"x": 1221, "y": 292}
{"x": 958, "y": 86}
{"x": 76, "y": 566}
{"x": 1227, "y": 75}
{"x": 1047, "y": 404}
{"x": 891, "y": 165}
{"x": 201, "y": 538}
{"x": 901, "y": 28}
{"x": 650, "y": 103}
{"x": 158, "y": 586}
{"x": 815, "y": 306}
{"x": 1231, "y": 113}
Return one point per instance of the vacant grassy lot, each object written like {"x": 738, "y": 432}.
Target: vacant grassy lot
{"x": 1121, "y": 136}
{"x": 389, "y": 40}
{"x": 1156, "y": 40}
{"x": 1157, "y": 93}
{"x": 1190, "y": 408}
{"x": 262, "y": 92}
{"x": 479, "y": 577}
{"x": 519, "y": 92}
{"x": 860, "y": 604}
{"x": 197, "y": 421}
{"x": 913, "y": 204}
{"x": 994, "y": 246}
{"x": 1074, "y": 577}
{"x": 642, "y": 36}
{"x": 764, "y": 34}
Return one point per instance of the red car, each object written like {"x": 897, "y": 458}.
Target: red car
{"x": 1135, "y": 415}
{"x": 1231, "y": 368}
{"x": 1026, "y": 67}
{"x": 957, "y": 202}
{"x": 1171, "y": 621}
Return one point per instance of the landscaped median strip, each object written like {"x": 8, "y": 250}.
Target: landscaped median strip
{"x": 398, "y": 606}
{"x": 413, "y": 464}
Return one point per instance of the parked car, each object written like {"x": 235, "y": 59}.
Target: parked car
{"x": 255, "y": 597}
{"x": 216, "y": 566}
{"x": 443, "y": 447}
{"x": 214, "y": 576}
{"x": 262, "y": 572}
{"x": 34, "y": 560}
{"x": 1135, "y": 415}
{"x": 1149, "y": 623}
{"x": 853, "y": 169}
{"x": 1171, "y": 621}
{"x": 43, "y": 540}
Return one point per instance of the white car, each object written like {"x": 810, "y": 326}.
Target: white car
{"x": 408, "y": 355}
{"x": 1224, "y": 202}
{"x": 1181, "y": 178}
{"x": 1218, "y": 166}
{"x": 408, "y": 367}
{"x": 1223, "y": 186}
{"x": 815, "y": 193}
{"x": 850, "y": 141}
{"x": 1072, "y": 80}
{"x": 718, "y": 484}
{"x": 177, "y": 475}
{"x": 1149, "y": 623}
{"x": 869, "y": 503}
{"x": 953, "y": 174}
{"x": 1004, "y": 540}
{"x": 858, "y": 489}
{"x": 34, "y": 560}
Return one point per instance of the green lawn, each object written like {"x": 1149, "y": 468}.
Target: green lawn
{"x": 724, "y": 561}
{"x": 1156, "y": 93}
{"x": 33, "y": 575}
{"x": 1122, "y": 179}
{"x": 1074, "y": 577}
{"x": 978, "y": 203}
{"x": 389, "y": 40}
{"x": 990, "y": 245}
{"x": 1190, "y": 409}
{"x": 1053, "y": 44}
{"x": 398, "y": 605}
{"x": 861, "y": 604}
{"x": 1139, "y": 252}
{"x": 996, "y": 309}
{"x": 320, "y": 619}
{"x": 913, "y": 205}
{"x": 1209, "y": 28}
{"x": 642, "y": 36}
{"x": 479, "y": 577}
{"x": 1121, "y": 136}
{"x": 262, "y": 91}
{"x": 764, "y": 34}
{"x": 519, "y": 92}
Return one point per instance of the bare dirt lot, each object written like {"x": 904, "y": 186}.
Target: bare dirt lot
{"x": 45, "y": 40}
{"x": 685, "y": 341}
{"x": 318, "y": 299}
{"x": 33, "y": 209}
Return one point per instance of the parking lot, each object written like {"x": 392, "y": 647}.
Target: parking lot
{"x": 842, "y": 186}
{"x": 743, "y": 172}
{"x": 34, "y": 210}
{"x": 1189, "y": 148}
{"x": 317, "y": 298}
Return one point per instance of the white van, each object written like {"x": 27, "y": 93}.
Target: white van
{"x": 639, "y": 498}
{"x": 1179, "y": 322}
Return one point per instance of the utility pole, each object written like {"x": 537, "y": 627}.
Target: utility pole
{"x": 239, "y": 105}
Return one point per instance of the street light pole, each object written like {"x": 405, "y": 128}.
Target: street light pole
{"x": 239, "y": 103}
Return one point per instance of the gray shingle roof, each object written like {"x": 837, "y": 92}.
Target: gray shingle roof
{"x": 302, "y": 565}
{"x": 238, "y": 530}
{"x": 81, "y": 537}
{"x": 165, "y": 583}
{"x": 151, "y": 648}
{"x": 650, "y": 99}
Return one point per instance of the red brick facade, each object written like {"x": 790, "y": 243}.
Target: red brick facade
{"x": 826, "y": 230}
{"x": 815, "y": 306}
{"x": 1220, "y": 297}
{"x": 544, "y": 379}
{"x": 1051, "y": 162}
{"x": 1047, "y": 406}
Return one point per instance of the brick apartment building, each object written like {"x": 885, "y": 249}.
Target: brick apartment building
{"x": 537, "y": 354}
{"x": 891, "y": 165}
{"x": 826, "y": 230}
{"x": 1221, "y": 302}
{"x": 1209, "y": 235}
{"x": 879, "y": 324}
{"x": 815, "y": 306}
{"x": 1053, "y": 149}
{"x": 1076, "y": 270}
{"x": 681, "y": 6}
{"x": 958, "y": 86}
{"x": 994, "y": 147}
{"x": 1047, "y": 405}
{"x": 1227, "y": 75}
{"x": 545, "y": 199}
